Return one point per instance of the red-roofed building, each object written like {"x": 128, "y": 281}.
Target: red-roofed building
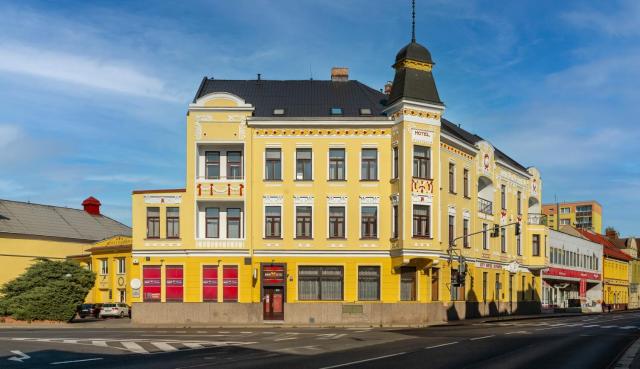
{"x": 615, "y": 271}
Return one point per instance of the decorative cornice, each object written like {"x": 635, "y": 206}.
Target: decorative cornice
{"x": 414, "y": 64}
{"x": 338, "y": 132}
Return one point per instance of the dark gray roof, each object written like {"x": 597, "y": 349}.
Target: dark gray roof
{"x": 414, "y": 84}
{"x": 54, "y": 221}
{"x": 299, "y": 98}
{"x": 414, "y": 51}
{"x": 472, "y": 139}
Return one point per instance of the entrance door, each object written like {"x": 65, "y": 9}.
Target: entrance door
{"x": 273, "y": 303}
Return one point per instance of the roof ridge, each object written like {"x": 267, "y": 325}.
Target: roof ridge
{"x": 39, "y": 204}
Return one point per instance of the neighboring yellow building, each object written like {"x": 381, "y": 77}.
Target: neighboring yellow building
{"x": 615, "y": 290}
{"x": 579, "y": 214}
{"x": 29, "y": 231}
{"x": 110, "y": 259}
{"x": 316, "y": 201}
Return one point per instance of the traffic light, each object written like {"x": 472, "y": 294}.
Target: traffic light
{"x": 517, "y": 229}
{"x": 496, "y": 231}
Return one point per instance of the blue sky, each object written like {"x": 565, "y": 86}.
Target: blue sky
{"x": 94, "y": 94}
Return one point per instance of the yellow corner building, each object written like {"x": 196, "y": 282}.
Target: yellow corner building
{"x": 326, "y": 201}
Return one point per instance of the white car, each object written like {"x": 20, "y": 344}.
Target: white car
{"x": 117, "y": 309}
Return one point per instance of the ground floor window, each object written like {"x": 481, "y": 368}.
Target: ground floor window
{"x": 210, "y": 283}
{"x": 320, "y": 283}
{"x": 151, "y": 283}
{"x": 485, "y": 277}
{"x": 122, "y": 295}
{"x": 369, "y": 283}
{"x": 174, "y": 283}
{"x": 435, "y": 284}
{"x": 230, "y": 283}
{"x": 408, "y": 283}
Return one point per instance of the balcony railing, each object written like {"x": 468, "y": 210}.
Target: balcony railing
{"x": 537, "y": 219}
{"x": 485, "y": 206}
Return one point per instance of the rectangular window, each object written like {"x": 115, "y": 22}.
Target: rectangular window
{"x": 565, "y": 221}
{"x": 496, "y": 296}
{"x": 320, "y": 283}
{"x": 452, "y": 222}
{"x": 122, "y": 295}
{"x": 465, "y": 178}
{"x": 503, "y": 240}
{"x": 212, "y": 164}
{"x": 523, "y": 287}
{"x": 272, "y": 221}
{"x": 485, "y": 277}
{"x": 518, "y": 245}
{"x": 273, "y": 164}
{"x": 421, "y": 226}
{"x": 369, "y": 165}
{"x": 303, "y": 164}
{"x": 435, "y": 284}
{"x": 452, "y": 178}
{"x": 230, "y": 283}
{"x": 369, "y": 283}
{"x": 485, "y": 236}
{"x": 151, "y": 284}
{"x": 210, "y": 283}
{"x": 174, "y": 282}
{"x": 336, "y": 164}
{"x": 533, "y": 288}
{"x": 519, "y": 199}
{"x": 535, "y": 247}
{"x": 212, "y": 223}
{"x": 104, "y": 266}
{"x": 565, "y": 210}
{"x": 336, "y": 221}
{"x": 173, "y": 222}
{"x": 303, "y": 222}
{"x": 234, "y": 165}
{"x": 395, "y": 221}
{"x": 369, "y": 219}
{"x": 234, "y": 223}
{"x": 465, "y": 233}
{"x": 122, "y": 265}
{"x": 407, "y": 283}
{"x": 396, "y": 160}
{"x": 153, "y": 222}
{"x": 503, "y": 197}
{"x": 422, "y": 162}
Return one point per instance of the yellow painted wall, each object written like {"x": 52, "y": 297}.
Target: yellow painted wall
{"x": 616, "y": 281}
{"x": 18, "y": 252}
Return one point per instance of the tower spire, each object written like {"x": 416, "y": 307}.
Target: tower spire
{"x": 413, "y": 20}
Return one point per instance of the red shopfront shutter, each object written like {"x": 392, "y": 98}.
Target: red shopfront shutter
{"x": 210, "y": 283}
{"x": 230, "y": 283}
{"x": 174, "y": 285}
{"x": 151, "y": 283}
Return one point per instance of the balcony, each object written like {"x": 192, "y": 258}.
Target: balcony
{"x": 220, "y": 190}
{"x": 536, "y": 219}
{"x": 485, "y": 206}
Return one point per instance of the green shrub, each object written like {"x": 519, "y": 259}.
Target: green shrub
{"x": 47, "y": 290}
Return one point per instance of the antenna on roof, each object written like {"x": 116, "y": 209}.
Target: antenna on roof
{"x": 310, "y": 72}
{"x": 413, "y": 20}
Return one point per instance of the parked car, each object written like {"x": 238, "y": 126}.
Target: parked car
{"x": 116, "y": 309}
{"x": 86, "y": 310}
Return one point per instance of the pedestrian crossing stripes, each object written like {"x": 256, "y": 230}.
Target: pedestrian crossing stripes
{"x": 139, "y": 346}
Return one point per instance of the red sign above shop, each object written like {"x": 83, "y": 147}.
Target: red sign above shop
{"x": 578, "y": 274}
{"x": 273, "y": 275}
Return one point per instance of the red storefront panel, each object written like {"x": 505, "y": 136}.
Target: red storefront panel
{"x": 174, "y": 282}
{"x": 561, "y": 272}
{"x": 210, "y": 283}
{"x": 151, "y": 275}
{"x": 273, "y": 275}
{"x": 230, "y": 283}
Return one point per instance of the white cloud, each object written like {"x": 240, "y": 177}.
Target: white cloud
{"x": 98, "y": 73}
{"x": 9, "y": 134}
{"x": 620, "y": 22}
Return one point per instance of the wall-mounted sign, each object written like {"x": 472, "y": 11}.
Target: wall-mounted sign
{"x": 273, "y": 275}
{"x": 162, "y": 199}
{"x": 422, "y": 136}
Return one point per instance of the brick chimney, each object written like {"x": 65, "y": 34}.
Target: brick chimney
{"x": 339, "y": 74}
{"x": 387, "y": 88}
{"x": 91, "y": 205}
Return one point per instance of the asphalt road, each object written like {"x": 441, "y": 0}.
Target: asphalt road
{"x": 570, "y": 342}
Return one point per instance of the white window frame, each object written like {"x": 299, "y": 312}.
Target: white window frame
{"x": 562, "y": 210}
{"x": 122, "y": 266}
{"x": 430, "y": 205}
{"x": 485, "y": 235}
{"x": 295, "y": 221}
{"x": 395, "y": 169}
{"x": 454, "y": 187}
{"x": 295, "y": 163}
{"x": 104, "y": 266}
{"x": 264, "y": 220}
{"x": 369, "y": 146}
{"x": 346, "y": 154}
{"x": 264, "y": 161}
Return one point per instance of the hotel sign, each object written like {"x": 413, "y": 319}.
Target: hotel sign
{"x": 422, "y": 136}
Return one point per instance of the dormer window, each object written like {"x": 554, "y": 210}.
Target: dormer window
{"x": 336, "y": 111}
{"x": 278, "y": 111}
{"x": 365, "y": 111}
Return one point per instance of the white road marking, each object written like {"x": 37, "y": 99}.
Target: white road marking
{"x": 134, "y": 347}
{"x": 591, "y": 325}
{"x": 164, "y": 346}
{"x": 518, "y": 332}
{"x": 481, "y": 338}
{"x": 609, "y": 326}
{"x": 100, "y": 343}
{"x": 286, "y": 339}
{"x": 246, "y": 332}
{"x": 337, "y": 336}
{"x": 363, "y": 361}
{"x": 441, "y": 345}
{"x": 21, "y": 356}
{"x": 69, "y": 341}
{"x": 628, "y": 327}
{"x": 75, "y": 361}
{"x": 192, "y": 345}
